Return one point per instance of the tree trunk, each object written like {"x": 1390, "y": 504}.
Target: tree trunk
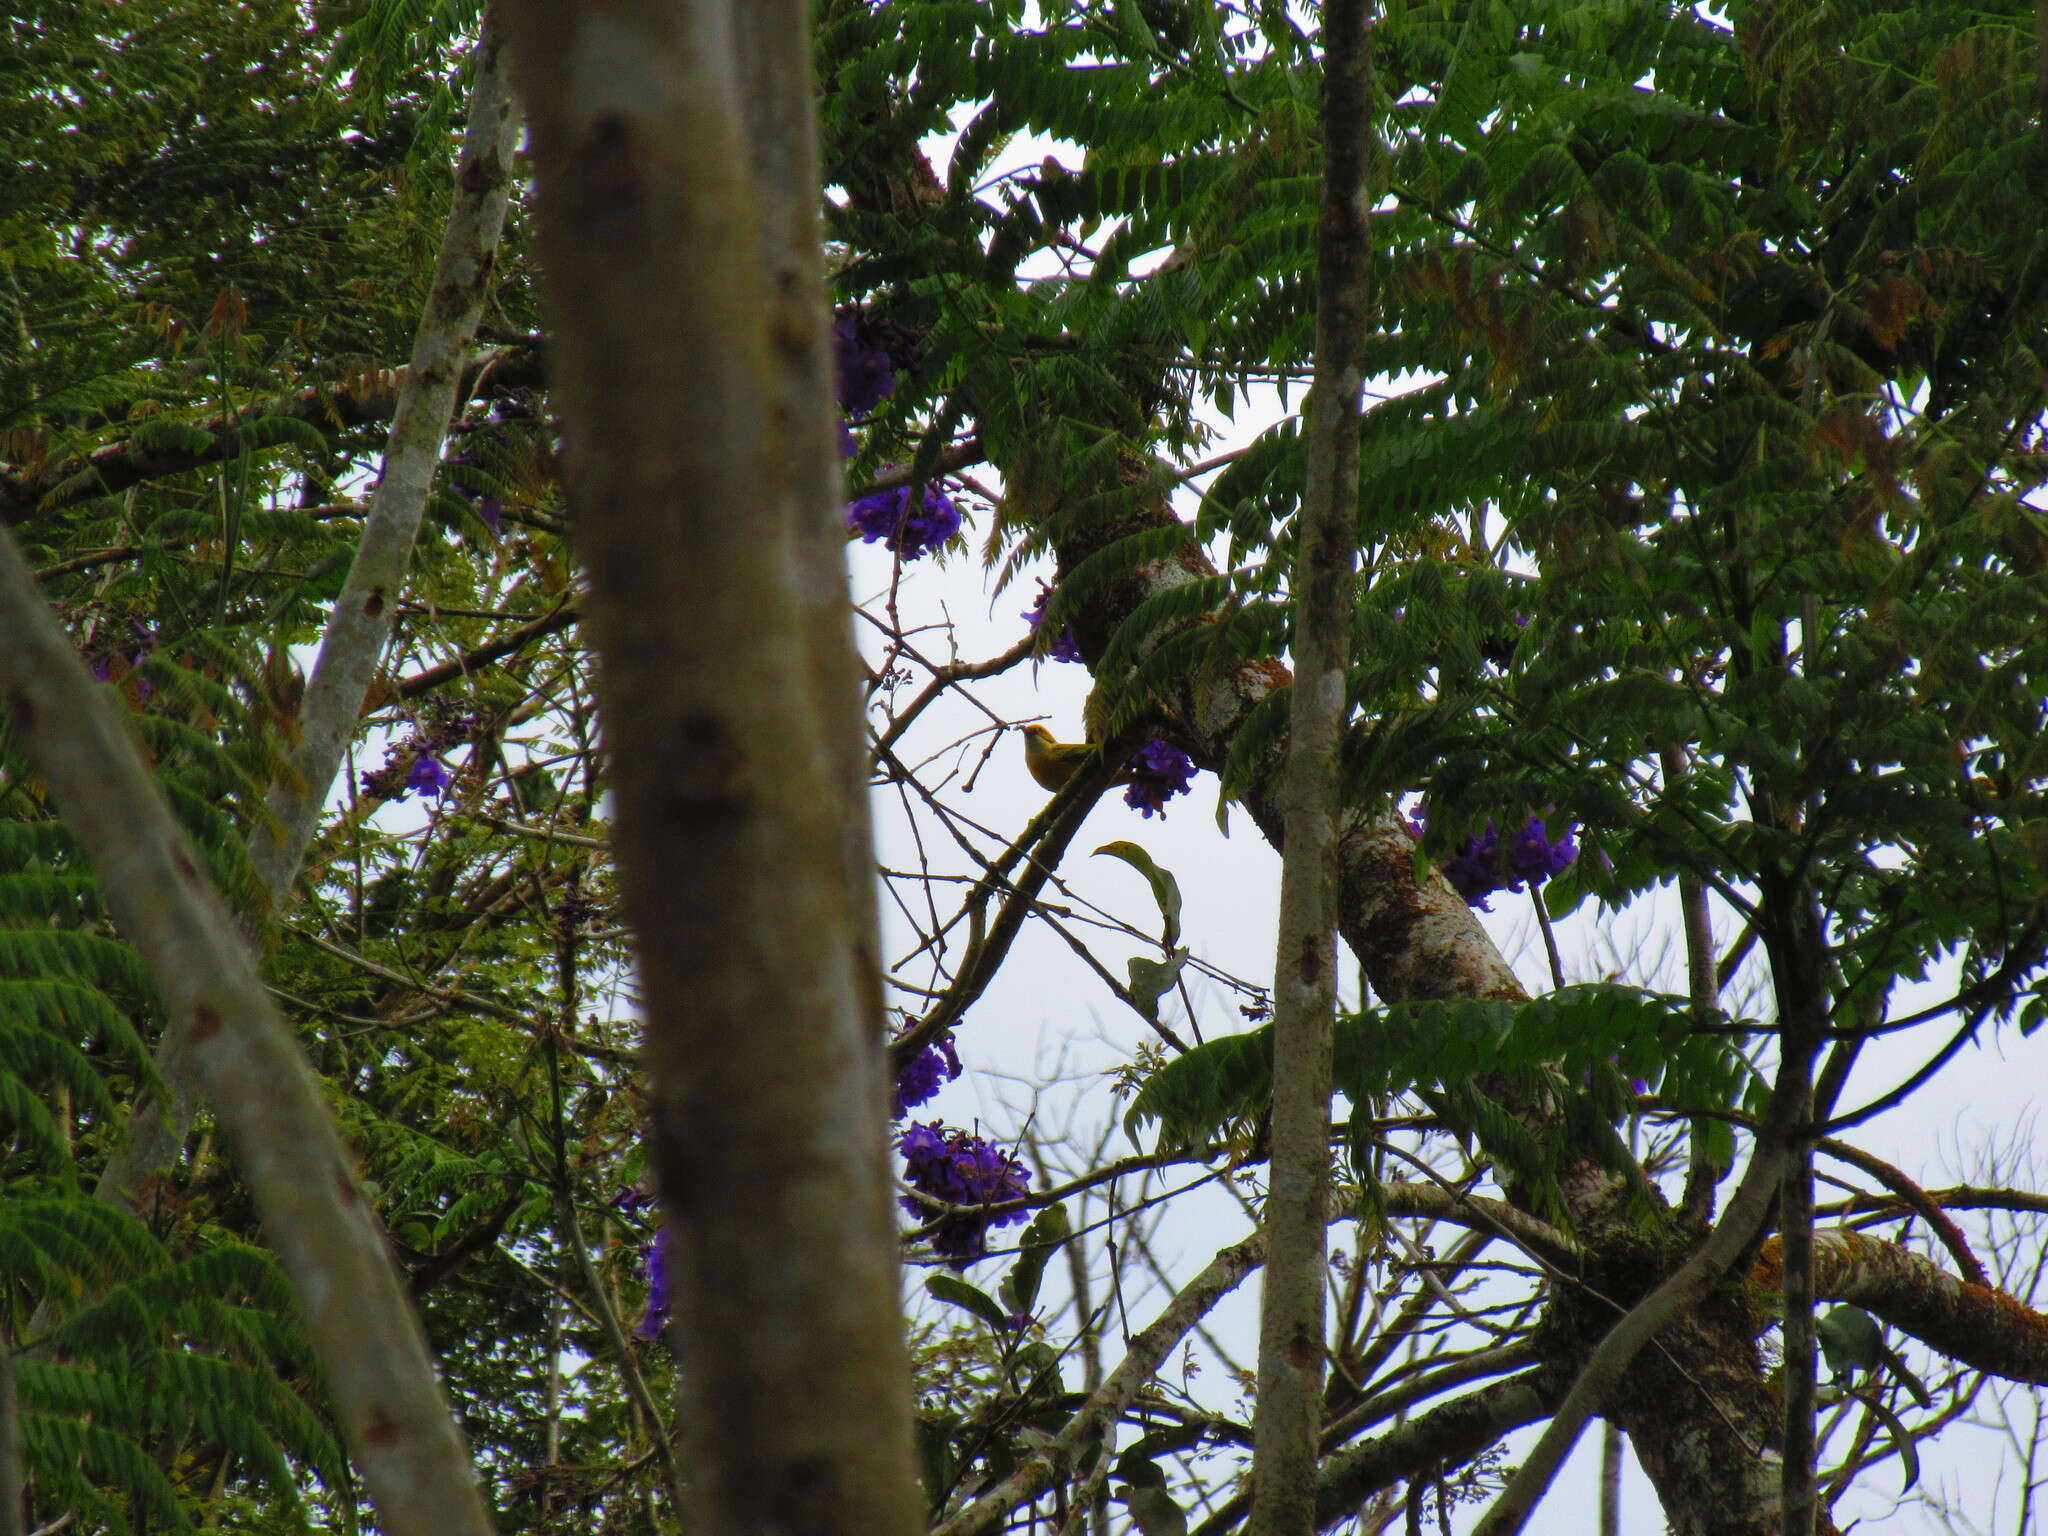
{"x": 360, "y": 624}
{"x": 687, "y": 390}
{"x": 392, "y": 1410}
{"x": 1291, "y": 1322}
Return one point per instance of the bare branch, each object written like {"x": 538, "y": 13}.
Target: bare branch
{"x": 1054, "y": 1461}
{"x": 362, "y": 618}
{"x": 361, "y": 401}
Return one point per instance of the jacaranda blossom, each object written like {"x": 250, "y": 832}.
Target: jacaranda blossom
{"x": 927, "y": 1072}
{"x": 428, "y": 776}
{"x": 1484, "y": 866}
{"x": 1162, "y": 771}
{"x": 887, "y": 517}
{"x": 959, "y": 1168}
{"x": 1533, "y": 857}
{"x": 1063, "y": 647}
{"x": 655, "y": 1318}
{"x": 866, "y": 373}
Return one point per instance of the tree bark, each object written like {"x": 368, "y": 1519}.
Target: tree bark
{"x": 1702, "y": 985}
{"x": 1798, "y": 950}
{"x": 394, "y": 1417}
{"x": 10, "y": 1443}
{"x": 773, "y": 48}
{"x": 1610, "y": 1480}
{"x": 1972, "y": 1324}
{"x": 360, "y": 624}
{"x": 682, "y": 383}
{"x": 1451, "y": 1433}
{"x": 1291, "y": 1323}
{"x": 1604, "y": 1373}
{"x": 357, "y": 401}
{"x": 1417, "y": 938}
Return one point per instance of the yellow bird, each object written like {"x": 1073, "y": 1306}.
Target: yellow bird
{"x": 1052, "y": 762}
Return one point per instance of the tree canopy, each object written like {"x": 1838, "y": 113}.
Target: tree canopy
{"x": 1702, "y": 571}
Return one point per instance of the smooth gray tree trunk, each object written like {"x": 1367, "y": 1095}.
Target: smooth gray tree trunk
{"x": 1291, "y": 1363}
{"x": 689, "y": 329}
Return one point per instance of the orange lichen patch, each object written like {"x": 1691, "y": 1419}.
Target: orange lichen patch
{"x": 1767, "y": 1271}
{"x": 1835, "y": 1253}
{"x": 1969, "y": 1322}
{"x": 1911, "y": 1197}
{"x": 2011, "y": 1313}
{"x": 1264, "y": 677}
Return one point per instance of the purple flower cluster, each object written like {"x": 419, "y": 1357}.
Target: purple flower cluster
{"x": 862, "y": 364}
{"x": 655, "y": 1318}
{"x": 960, "y": 1169}
{"x": 1064, "y": 646}
{"x": 414, "y": 764}
{"x": 1160, "y": 771}
{"x": 887, "y": 516}
{"x": 409, "y": 766}
{"x": 631, "y": 1199}
{"x": 429, "y": 776}
{"x": 929, "y": 1071}
{"x": 866, "y": 354}
{"x": 1486, "y": 865}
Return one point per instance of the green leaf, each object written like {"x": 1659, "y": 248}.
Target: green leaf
{"x": 1902, "y": 1437}
{"x": 1042, "y": 1239}
{"x": 1197, "y": 1094}
{"x": 1153, "y": 979}
{"x": 1135, "y": 1464}
{"x": 1165, "y": 889}
{"x": 1036, "y": 1367}
{"x": 969, "y": 1298}
{"x": 937, "y": 1460}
